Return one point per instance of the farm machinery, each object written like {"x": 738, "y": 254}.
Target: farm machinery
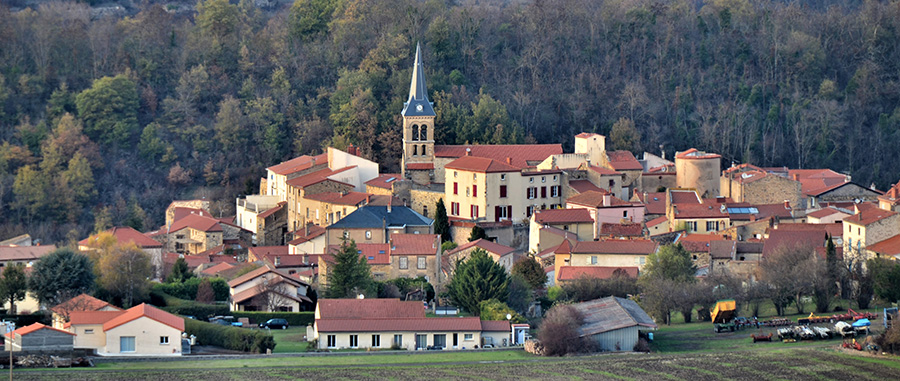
{"x": 853, "y": 315}
{"x": 813, "y": 319}
{"x": 723, "y": 316}
{"x": 803, "y": 332}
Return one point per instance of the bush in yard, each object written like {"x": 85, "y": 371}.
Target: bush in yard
{"x": 239, "y": 339}
{"x": 559, "y": 331}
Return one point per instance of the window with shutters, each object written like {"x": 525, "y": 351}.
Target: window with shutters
{"x": 474, "y": 190}
{"x": 455, "y": 188}
{"x": 529, "y": 211}
{"x": 532, "y": 193}
{"x": 554, "y": 191}
{"x": 474, "y": 211}
{"x": 454, "y": 208}
{"x": 503, "y": 191}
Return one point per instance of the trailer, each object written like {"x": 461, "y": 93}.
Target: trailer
{"x": 723, "y": 315}
{"x": 890, "y": 314}
{"x": 813, "y": 319}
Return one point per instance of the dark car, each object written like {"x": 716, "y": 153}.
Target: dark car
{"x": 274, "y": 323}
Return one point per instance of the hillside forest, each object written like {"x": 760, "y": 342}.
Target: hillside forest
{"x": 105, "y": 117}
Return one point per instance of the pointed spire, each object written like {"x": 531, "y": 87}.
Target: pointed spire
{"x": 418, "y": 104}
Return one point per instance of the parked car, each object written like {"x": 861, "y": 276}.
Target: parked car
{"x": 274, "y": 323}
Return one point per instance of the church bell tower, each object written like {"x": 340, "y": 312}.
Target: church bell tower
{"x": 418, "y": 128}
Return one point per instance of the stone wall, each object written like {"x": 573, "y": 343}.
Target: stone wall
{"x": 425, "y": 201}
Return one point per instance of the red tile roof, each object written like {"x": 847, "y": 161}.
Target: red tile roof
{"x": 697, "y": 237}
{"x": 604, "y": 171}
{"x": 251, "y": 292}
{"x": 615, "y": 246}
{"x": 657, "y": 221}
{"x": 889, "y": 247}
{"x": 869, "y": 216}
{"x": 298, "y": 164}
{"x": 317, "y": 177}
{"x": 273, "y": 210}
{"x": 24, "y": 253}
{"x": 35, "y": 327}
{"x": 489, "y": 246}
{"x": 341, "y": 198}
{"x": 91, "y": 317}
{"x": 495, "y": 326}
{"x": 480, "y": 164}
{"x": 197, "y": 222}
{"x": 697, "y": 246}
{"x": 83, "y": 302}
{"x": 570, "y": 273}
{"x": 699, "y": 211}
{"x": 623, "y": 161}
{"x": 812, "y": 181}
{"x": 621, "y": 230}
{"x": 369, "y": 308}
{"x": 779, "y": 238}
{"x": 217, "y": 268}
{"x": 420, "y": 166}
{"x": 148, "y": 311}
{"x": 825, "y": 212}
{"x": 561, "y": 216}
{"x": 193, "y": 261}
{"x": 684, "y": 197}
{"x": 654, "y": 202}
{"x": 521, "y": 155}
{"x": 694, "y": 153}
{"x": 301, "y": 236}
{"x": 126, "y": 235}
{"x": 182, "y": 212}
{"x": 385, "y": 180}
{"x": 261, "y": 251}
{"x": 435, "y": 324}
{"x": 595, "y": 199}
{"x": 582, "y": 186}
{"x": 587, "y": 135}
{"x": 835, "y": 229}
{"x": 415, "y": 244}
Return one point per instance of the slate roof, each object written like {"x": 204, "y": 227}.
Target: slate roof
{"x": 417, "y": 104}
{"x": 561, "y": 216}
{"x": 611, "y": 313}
{"x": 570, "y": 273}
{"x": 521, "y": 155}
{"x": 371, "y": 216}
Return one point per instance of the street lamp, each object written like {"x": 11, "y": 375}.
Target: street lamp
{"x": 10, "y": 327}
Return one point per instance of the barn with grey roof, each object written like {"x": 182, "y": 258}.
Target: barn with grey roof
{"x": 613, "y": 323}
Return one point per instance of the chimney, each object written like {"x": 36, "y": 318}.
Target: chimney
{"x": 277, "y": 261}
{"x": 389, "y": 206}
{"x": 367, "y": 198}
{"x": 787, "y": 204}
{"x": 607, "y": 199}
{"x": 508, "y": 160}
{"x": 796, "y": 177}
{"x": 468, "y": 152}
{"x": 314, "y": 161}
{"x": 305, "y": 229}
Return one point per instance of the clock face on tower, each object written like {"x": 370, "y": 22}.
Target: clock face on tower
{"x": 419, "y": 107}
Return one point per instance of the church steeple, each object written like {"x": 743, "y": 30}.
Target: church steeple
{"x": 418, "y": 104}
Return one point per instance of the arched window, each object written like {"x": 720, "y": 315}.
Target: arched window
{"x": 423, "y": 133}
{"x": 415, "y": 132}
{"x": 415, "y": 150}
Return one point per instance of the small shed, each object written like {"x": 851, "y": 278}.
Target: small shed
{"x": 40, "y": 338}
{"x": 613, "y": 323}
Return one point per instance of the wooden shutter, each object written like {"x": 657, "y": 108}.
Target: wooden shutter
{"x": 497, "y": 213}
{"x": 543, "y": 192}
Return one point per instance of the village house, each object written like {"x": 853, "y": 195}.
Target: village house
{"x": 499, "y": 253}
{"x": 269, "y": 290}
{"x": 613, "y": 323}
{"x": 195, "y": 231}
{"x": 754, "y": 185}
{"x": 26, "y": 256}
{"x": 264, "y": 216}
{"x": 403, "y": 256}
{"x": 609, "y": 253}
{"x": 735, "y": 258}
{"x": 828, "y": 215}
{"x": 890, "y": 200}
{"x": 698, "y": 170}
{"x": 82, "y": 303}
{"x": 604, "y": 207}
{"x": 142, "y": 330}
{"x": 125, "y": 235}
{"x": 375, "y": 224}
{"x": 577, "y": 221}
{"x": 868, "y": 227}
{"x": 391, "y": 323}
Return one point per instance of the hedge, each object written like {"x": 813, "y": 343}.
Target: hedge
{"x": 294, "y": 319}
{"x": 178, "y": 306}
{"x": 239, "y": 339}
{"x": 188, "y": 289}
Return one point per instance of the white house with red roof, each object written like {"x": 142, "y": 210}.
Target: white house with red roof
{"x": 80, "y": 303}
{"x": 142, "y": 330}
{"x": 604, "y": 207}
{"x": 268, "y": 289}
{"x": 499, "y": 253}
{"x": 391, "y": 323}
{"x": 126, "y": 235}
{"x": 628, "y": 255}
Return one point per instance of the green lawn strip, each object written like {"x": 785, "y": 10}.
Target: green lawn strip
{"x": 430, "y": 358}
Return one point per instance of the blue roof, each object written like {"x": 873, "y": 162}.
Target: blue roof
{"x": 373, "y": 216}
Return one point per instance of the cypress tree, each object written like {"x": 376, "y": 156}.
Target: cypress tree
{"x": 441, "y": 222}
{"x": 476, "y": 279}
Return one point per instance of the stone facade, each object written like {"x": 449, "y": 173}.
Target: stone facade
{"x": 425, "y": 201}
{"x": 193, "y": 204}
{"x": 651, "y": 182}
{"x": 769, "y": 189}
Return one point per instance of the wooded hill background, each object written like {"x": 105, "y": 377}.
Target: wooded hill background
{"x": 105, "y": 119}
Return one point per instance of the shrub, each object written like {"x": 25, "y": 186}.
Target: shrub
{"x": 188, "y": 289}
{"x": 239, "y": 339}
{"x": 295, "y": 319}
{"x": 559, "y": 331}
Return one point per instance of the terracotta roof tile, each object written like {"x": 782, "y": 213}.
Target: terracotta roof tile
{"x": 145, "y": 310}
{"x": 694, "y": 153}
{"x": 385, "y": 180}
{"x": 621, "y": 230}
{"x": 869, "y": 216}
{"x": 254, "y": 291}
{"x": 83, "y": 302}
{"x": 197, "y": 222}
{"x": 480, "y": 164}
{"x": 435, "y": 324}
{"x": 570, "y": 273}
{"x": 420, "y": 166}
{"x": 35, "y": 327}
{"x": 217, "y": 268}
{"x": 825, "y": 212}
{"x": 341, "y": 198}
{"x": 654, "y": 202}
{"x": 779, "y": 238}
{"x": 684, "y": 197}
{"x": 369, "y": 308}
{"x": 489, "y": 246}
{"x": 91, "y": 317}
{"x": 889, "y": 247}
{"x": 24, "y": 253}
{"x": 495, "y": 326}
{"x": 595, "y": 199}
{"x": 259, "y": 252}
{"x": 835, "y": 229}
{"x": 657, "y": 221}
{"x": 415, "y": 244}
{"x": 298, "y": 164}
{"x": 317, "y": 177}
{"x": 604, "y": 171}
{"x": 582, "y": 186}
{"x": 521, "y": 155}
{"x": 374, "y": 253}
{"x": 273, "y": 210}
{"x": 301, "y": 236}
{"x": 560, "y": 216}
{"x": 587, "y": 135}
{"x": 623, "y": 161}
{"x": 125, "y": 235}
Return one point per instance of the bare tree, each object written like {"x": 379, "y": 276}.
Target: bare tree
{"x": 788, "y": 271}
{"x": 272, "y": 294}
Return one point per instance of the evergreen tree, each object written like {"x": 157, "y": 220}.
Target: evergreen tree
{"x": 531, "y": 271}
{"x": 180, "y": 272}
{"x": 477, "y": 279}
{"x": 477, "y": 233}
{"x": 109, "y": 109}
{"x": 13, "y": 285}
{"x": 350, "y": 274}
{"x": 441, "y": 222}
{"x": 60, "y": 276}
